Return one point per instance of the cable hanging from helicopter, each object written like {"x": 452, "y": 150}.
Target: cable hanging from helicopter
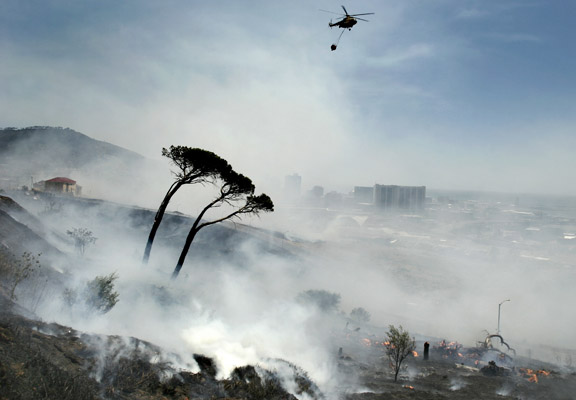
{"x": 346, "y": 22}
{"x": 334, "y": 45}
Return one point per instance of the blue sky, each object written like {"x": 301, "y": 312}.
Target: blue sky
{"x": 451, "y": 94}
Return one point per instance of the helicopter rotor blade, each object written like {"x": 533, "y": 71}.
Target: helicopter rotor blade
{"x": 361, "y": 19}
{"x": 331, "y": 12}
{"x": 344, "y": 8}
{"x": 353, "y": 15}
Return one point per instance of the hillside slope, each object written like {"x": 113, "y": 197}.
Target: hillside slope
{"x": 47, "y": 360}
{"x": 21, "y": 232}
{"x": 51, "y": 361}
{"x": 101, "y": 169}
{"x": 61, "y": 147}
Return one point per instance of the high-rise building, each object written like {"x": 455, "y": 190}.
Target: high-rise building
{"x": 363, "y": 194}
{"x": 392, "y": 197}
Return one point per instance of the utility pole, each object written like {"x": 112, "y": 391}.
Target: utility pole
{"x": 500, "y": 305}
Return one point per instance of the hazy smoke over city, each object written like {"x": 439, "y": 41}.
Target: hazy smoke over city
{"x": 468, "y": 100}
{"x": 419, "y": 95}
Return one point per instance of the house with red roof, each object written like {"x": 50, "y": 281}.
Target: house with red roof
{"x": 59, "y": 185}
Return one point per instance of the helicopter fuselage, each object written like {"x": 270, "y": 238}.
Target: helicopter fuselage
{"x": 345, "y": 23}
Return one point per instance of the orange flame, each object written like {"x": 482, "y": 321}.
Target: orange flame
{"x": 408, "y": 387}
{"x": 533, "y": 375}
{"x": 414, "y": 353}
{"x": 543, "y": 372}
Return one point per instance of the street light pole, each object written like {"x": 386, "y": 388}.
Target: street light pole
{"x": 500, "y": 305}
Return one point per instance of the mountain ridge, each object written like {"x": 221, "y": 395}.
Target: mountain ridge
{"x": 103, "y": 170}
{"x": 66, "y": 145}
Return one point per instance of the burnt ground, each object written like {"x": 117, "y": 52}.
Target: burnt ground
{"x": 452, "y": 375}
{"x": 49, "y": 361}
{"x": 41, "y": 360}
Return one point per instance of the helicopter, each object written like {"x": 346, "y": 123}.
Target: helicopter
{"x": 347, "y": 22}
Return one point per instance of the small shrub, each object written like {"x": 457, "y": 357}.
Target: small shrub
{"x": 399, "y": 346}
{"x": 82, "y": 238}
{"x": 98, "y": 295}
{"x": 14, "y": 270}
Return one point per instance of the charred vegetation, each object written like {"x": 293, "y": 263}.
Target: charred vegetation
{"x": 40, "y": 360}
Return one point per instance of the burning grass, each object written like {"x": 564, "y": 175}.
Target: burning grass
{"x": 532, "y": 375}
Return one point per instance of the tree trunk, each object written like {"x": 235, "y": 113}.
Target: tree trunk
{"x": 184, "y": 253}
{"x": 158, "y": 218}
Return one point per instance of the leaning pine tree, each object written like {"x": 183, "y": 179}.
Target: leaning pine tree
{"x": 193, "y": 166}
{"x": 236, "y": 191}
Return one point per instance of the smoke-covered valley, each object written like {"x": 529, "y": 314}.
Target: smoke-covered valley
{"x": 441, "y": 274}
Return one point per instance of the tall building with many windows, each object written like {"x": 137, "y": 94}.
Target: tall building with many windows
{"x": 363, "y": 194}
{"x": 392, "y": 197}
